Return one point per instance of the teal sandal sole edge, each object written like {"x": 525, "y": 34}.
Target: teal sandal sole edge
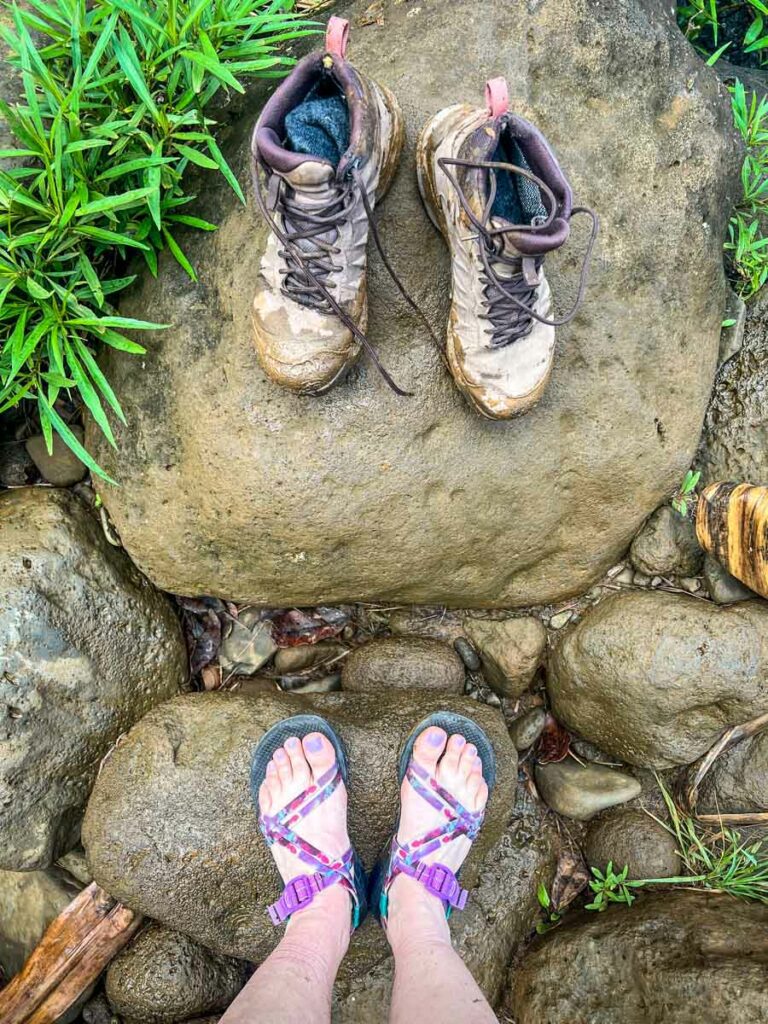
{"x": 301, "y": 726}
{"x": 451, "y": 723}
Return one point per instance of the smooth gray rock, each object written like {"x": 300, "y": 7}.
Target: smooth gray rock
{"x": 526, "y": 729}
{"x": 582, "y": 791}
{"x": 241, "y": 488}
{"x": 61, "y": 467}
{"x": 29, "y": 901}
{"x": 676, "y": 957}
{"x": 403, "y": 663}
{"x": 510, "y": 650}
{"x": 724, "y": 588}
{"x": 246, "y": 648}
{"x": 667, "y": 545}
{"x": 737, "y": 783}
{"x": 171, "y": 829}
{"x": 87, "y": 646}
{"x": 631, "y": 837}
{"x": 163, "y": 977}
{"x": 654, "y": 678}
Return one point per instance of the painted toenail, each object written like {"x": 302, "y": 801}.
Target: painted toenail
{"x": 459, "y": 740}
{"x": 435, "y": 738}
{"x": 314, "y": 744}
{"x": 292, "y": 743}
{"x": 280, "y": 755}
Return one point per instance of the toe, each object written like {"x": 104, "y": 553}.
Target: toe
{"x": 453, "y": 751}
{"x": 265, "y": 799}
{"x": 467, "y": 759}
{"x": 319, "y": 753}
{"x": 299, "y": 765}
{"x": 272, "y": 781}
{"x": 284, "y": 770}
{"x": 429, "y": 746}
{"x": 477, "y": 792}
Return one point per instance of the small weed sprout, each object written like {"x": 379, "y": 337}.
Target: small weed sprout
{"x": 685, "y": 498}
{"x": 552, "y": 918}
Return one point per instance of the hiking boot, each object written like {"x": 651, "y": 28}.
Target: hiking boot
{"x": 494, "y": 189}
{"x": 328, "y": 143}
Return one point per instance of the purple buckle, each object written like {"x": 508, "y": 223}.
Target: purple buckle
{"x": 441, "y": 882}
{"x": 297, "y": 894}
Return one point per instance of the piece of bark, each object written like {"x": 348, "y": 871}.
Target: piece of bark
{"x": 74, "y": 950}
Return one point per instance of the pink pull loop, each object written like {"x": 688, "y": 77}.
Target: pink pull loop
{"x": 497, "y": 96}
{"x": 337, "y": 36}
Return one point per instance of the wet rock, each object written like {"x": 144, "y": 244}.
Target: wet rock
{"x": 561, "y": 619}
{"x": 29, "y": 901}
{"x": 61, "y": 467}
{"x": 171, "y": 830}
{"x": 641, "y": 579}
{"x": 737, "y": 783}
{"x": 467, "y": 653}
{"x": 691, "y": 584}
{"x": 510, "y": 650}
{"x": 676, "y": 957}
{"x": 436, "y": 623}
{"x": 246, "y": 648}
{"x": 654, "y": 678}
{"x": 370, "y": 496}
{"x": 526, "y": 729}
{"x": 74, "y": 866}
{"x": 626, "y": 577}
{"x": 97, "y": 1010}
{"x": 290, "y": 660}
{"x": 400, "y": 663}
{"x": 632, "y": 838}
{"x": 302, "y": 684}
{"x": 667, "y": 545}
{"x": 732, "y": 336}
{"x": 734, "y": 443}
{"x": 500, "y": 915}
{"x": 580, "y": 792}
{"x": 16, "y": 467}
{"x": 163, "y": 977}
{"x": 724, "y": 588}
{"x": 87, "y": 646}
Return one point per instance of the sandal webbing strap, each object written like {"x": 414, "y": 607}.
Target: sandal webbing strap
{"x": 280, "y": 828}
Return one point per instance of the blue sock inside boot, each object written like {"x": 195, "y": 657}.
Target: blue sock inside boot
{"x": 319, "y": 125}
{"x": 517, "y": 200}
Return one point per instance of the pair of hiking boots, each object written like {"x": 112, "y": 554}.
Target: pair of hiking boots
{"x": 325, "y": 150}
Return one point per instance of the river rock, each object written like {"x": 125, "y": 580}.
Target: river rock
{"x": 499, "y": 916}
{"x": 581, "y": 791}
{"x": 632, "y": 838}
{"x": 734, "y": 444}
{"x": 171, "y": 831}
{"x": 510, "y": 651}
{"x": 436, "y": 623}
{"x": 60, "y": 466}
{"x": 676, "y": 957}
{"x": 403, "y": 664}
{"x": 87, "y": 646}
{"x": 737, "y": 783}
{"x": 654, "y": 678}
{"x": 525, "y": 730}
{"x": 163, "y": 977}
{"x": 667, "y": 545}
{"x": 29, "y": 901}
{"x": 724, "y": 588}
{"x": 244, "y": 489}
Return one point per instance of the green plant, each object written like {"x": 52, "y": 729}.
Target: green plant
{"x": 747, "y": 245}
{"x": 552, "y": 918}
{"x": 113, "y": 113}
{"x": 686, "y": 494}
{"x": 702, "y": 21}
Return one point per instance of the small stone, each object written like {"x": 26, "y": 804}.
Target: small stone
{"x": 631, "y": 837}
{"x": 640, "y": 579}
{"x": 16, "y": 466}
{"x": 304, "y": 684}
{"x": 588, "y": 751}
{"x": 432, "y": 623}
{"x": 492, "y": 699}
{"x": 467, "y": 653}
{"x": 656, "y": 582}
{"x": 561, "y": 619}
{"x": 29, "y": 901}
{"x": 62, "y": 467}
{"x": 511, "y": 651}
{"x": 163, "y": 977}
{"x": 724, "y": 588}
{"x": 245, "y": 650}
{"x": 289, "y": 660}
{"x": 526, "y": 729}
{"x": 625, "y": 577}
{"x": 690, "y": 584}
{"x": 98, "y": 1011}
{"x": 581, "y": 792}
{"x": 615, "y": 571}
{"x": 666, "y": 546}
{"x": 74, "y": 864}
{"x": 403, "y": 663}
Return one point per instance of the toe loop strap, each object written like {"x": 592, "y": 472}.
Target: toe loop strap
{"x": 299, "y": 893}
{"x": 441, "y": 882}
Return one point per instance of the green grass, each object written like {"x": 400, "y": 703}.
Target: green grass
{"x": 115, "y": 94}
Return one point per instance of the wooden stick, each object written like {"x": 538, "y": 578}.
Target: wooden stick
{"x": 74, "y": 950}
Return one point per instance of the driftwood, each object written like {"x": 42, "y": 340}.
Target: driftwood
{"x": 732, "y": 525}
{"x": 74, "y": 950}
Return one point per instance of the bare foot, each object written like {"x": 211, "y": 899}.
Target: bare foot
{"x": 458, "y": 768}
{"x": 295, "y": 767}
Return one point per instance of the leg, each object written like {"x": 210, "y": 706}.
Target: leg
{"x": 294, "y": 984}
{"x": 431, "y": 981}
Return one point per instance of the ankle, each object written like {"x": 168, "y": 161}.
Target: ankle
{"x": 414, "y": 915}
{"x": 324, "y": 926}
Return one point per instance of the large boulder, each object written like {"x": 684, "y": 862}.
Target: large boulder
{"x": 654, "y": 678}
{"x": 87, "y": 646}
{"x": 234, "y": 486}
{"x": 674, "y": 957}
{"x": 171, "y": 830}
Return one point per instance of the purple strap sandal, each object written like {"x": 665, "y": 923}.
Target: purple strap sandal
{"x": 346, "y": 870}
{"x": 408, "y": 858}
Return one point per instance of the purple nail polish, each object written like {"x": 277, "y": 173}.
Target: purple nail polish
{"x": 459, "y": 740}
{"x": 435, "y": 738}
{"x": 280, "y": 755}
{"x": 292, "y": 743}
{"x": 314, "y": 744}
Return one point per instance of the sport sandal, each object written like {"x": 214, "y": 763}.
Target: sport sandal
{"x": 347, "y": 870}
{"x": 408, "y": 858}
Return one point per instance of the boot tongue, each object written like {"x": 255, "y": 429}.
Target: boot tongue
{"x": 311, "y": 174}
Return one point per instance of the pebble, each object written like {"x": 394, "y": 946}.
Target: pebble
{"x": 526, "y": 729}
{"x": 492, "y": 699}
{"x": 561, "y": 619}
{"x": 640, "y": 579}
{"x": 656, "y": 581}
{"x": 301, "y": 684}
{"x": 690, "y": 584}
{"x": 614, "y": 572}
{"x": 62, "y": 467}
{"x": 724, "y": 588}
{"x": 245, "y": 650}
{"x": 510, "y": 650}
{"x": 625, "y": 577}
{"x": 582, "y": 792}
{"x": 467, "y": 653}
{"x": 289, "y": 660}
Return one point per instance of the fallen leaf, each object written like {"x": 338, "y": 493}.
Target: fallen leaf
{"x": 294, "y": 627}
{"x": 555, "y": 742}
{"x": 211, "y": 676}
{"x": 571, "y": 878}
